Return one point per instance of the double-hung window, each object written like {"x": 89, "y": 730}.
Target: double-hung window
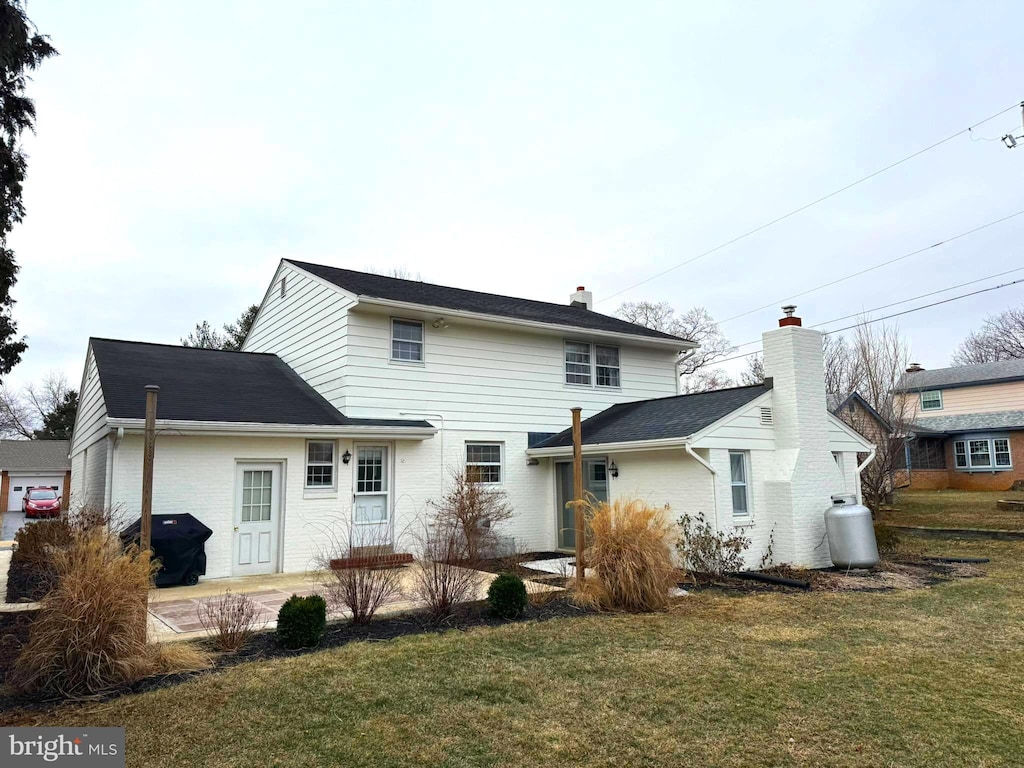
{"x": 982, "y": 453}
{"x": 739, "y": 471}
{"x": 320, "y": 464}
{"x": 587, "y": 364}
{"x": 931, "y": 400}
{"x": 483, "y": 463}
{"x": 406, "y": 341}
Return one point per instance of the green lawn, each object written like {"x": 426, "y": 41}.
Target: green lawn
{"x": 955, "y": 509}
{"x": 916, "y": 678}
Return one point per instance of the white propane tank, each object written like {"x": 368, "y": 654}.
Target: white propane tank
{"x": 851, "y": 534}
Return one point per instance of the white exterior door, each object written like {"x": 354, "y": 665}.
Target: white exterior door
{"x": 257, "y": 519}
{"x": 371, "y": 504}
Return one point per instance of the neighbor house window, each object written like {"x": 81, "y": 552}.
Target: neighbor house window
{"x": 587, "y": 363}
{"x": 320, "y": 464}
{"x": 931, "y": 401}
{"x": 577, "y": 363}
{"x": 407, "y": 341}
{"x": 607, "y": 366}
{"x": 982, "y": 453}
{"x": 739, "y": 466}
{"x": 483, "y": 462}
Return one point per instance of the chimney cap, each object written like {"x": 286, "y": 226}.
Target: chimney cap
{"x": 790, "y": 318}
{"x": 789, "y": 309}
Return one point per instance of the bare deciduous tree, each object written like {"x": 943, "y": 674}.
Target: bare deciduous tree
{"x": 23, "y": 412}
{"x": 696, "y": 324}
{"x": 1000, "y": 338}
{"x": 754, "y": 372}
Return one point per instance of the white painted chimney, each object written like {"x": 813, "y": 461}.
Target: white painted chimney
{"x": 805, "y": 475}
{"x": 582, "y": 298}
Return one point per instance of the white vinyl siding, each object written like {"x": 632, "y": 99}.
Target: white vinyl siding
{"x": 320, "y": 464}
{"x": 406, "y": 341}
{"x": 931, "y": 400}
{"x": 305, "y": 327}
{"x": 739, "y": 481}
{"x": 91, "y": 418}
{"x": 483, "y": 463}
{"x": 982, "y": 452}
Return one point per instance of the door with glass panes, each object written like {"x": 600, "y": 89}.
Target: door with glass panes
{"x": 371, "y": 505}
{"x": 595, "y": 481}
{"x": 257, "y": 519}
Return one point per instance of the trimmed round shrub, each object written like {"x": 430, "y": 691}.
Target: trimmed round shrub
{"x": 507, "y": 596}
{"x": 302, "y": 621}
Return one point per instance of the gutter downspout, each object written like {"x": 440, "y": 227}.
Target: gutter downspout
{"x": 714, "y": 477}
{"x": 679, "y": 377}
{"x": 868, "y": 460}
{"x": 108, "y": 493}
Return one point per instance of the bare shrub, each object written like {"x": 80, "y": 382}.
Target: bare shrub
{"x": 630, "y": 554}
{"x": 90, "y": 635}
{"x": 702, "y": 549}
{"x": 231, "y": 619}
{"x": 473, "y": 510}
{"x": 444, "y": 576}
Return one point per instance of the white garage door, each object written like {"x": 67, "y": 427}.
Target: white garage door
{"x": 20, "y": 482}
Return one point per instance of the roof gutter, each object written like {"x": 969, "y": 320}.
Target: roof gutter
{"x": 675, "y": 344}
{"x": 275, "y": 430}
{"x": 664, "y": 444}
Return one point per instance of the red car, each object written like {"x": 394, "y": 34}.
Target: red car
{"x": 41, "y": 502}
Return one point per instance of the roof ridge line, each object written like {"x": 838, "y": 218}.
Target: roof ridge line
{"x": 178, "y": 346}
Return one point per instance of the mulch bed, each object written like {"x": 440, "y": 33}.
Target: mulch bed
{"x": 264, "y": 646}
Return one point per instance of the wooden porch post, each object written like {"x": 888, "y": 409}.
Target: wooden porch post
{"x": 145, "y": 533}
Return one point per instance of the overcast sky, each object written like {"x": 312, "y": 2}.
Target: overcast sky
{"x": 521, "y": 148}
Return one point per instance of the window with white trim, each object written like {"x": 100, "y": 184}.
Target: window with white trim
{"x": 589, "y": 364}
{"x": 483, "y": 463}
{"x": 319, "y": 463}
{"x": 406, "y": 341}
{"x": 739, "y": 471}
{"x": 931, "y": 400}
{"x": 982, "y": 453}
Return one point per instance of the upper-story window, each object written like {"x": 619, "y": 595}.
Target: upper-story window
{"x": 587, "y": 364}
{"x": 407, "y": 341}
{"x": 931, "y": 400}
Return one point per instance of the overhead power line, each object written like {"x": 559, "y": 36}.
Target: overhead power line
{"x": 947, "y": 241}
{"x": 901, "y": 301}
{"x": 889, "y": 317}
{"x": 811, "y": 204}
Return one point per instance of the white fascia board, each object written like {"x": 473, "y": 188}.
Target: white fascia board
{"x": 256, "y": 429}
{"x": 710, "y": 428}
{"x": 664, "y": 444}
{"x": 675, "y": 344}
{"x": 868, "y": 445}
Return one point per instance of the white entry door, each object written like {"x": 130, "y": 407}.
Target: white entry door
{"x": 257, "y": 518}
{"x": 371, "y": 507}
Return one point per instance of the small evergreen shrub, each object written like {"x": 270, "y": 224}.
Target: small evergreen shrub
{"x": 507, "y": 596}
{"x": 887, "y": 538}
{"x": 302, "y": 621}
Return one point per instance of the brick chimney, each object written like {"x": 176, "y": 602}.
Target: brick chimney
{"x": 582, "y": 298}
{"x": 799, "y": 487}
{"x": 915, "y": 367}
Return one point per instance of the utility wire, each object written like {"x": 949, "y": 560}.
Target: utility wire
{"x": 852, "y": 275}
{"x": 901, "y": 301}
{"x": 889, "y": 317}
{"x": 811, "y": 204}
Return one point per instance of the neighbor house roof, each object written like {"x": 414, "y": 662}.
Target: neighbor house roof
{"x": 428, "y": 294}
{"x": 837, "y": 402}
{"x": 659, "y": 419}
{"x": 213, "y": 386}
{"x": 970, "y": 422}
{"x": 35, "y": 454}
{"x": 963, "y": 376}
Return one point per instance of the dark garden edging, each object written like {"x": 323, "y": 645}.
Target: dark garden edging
{"x": 960, "y": 533}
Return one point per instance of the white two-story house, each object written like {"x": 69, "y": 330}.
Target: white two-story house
{"x": 356, "y": 396}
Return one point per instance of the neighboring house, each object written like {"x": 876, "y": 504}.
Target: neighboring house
{"x": 968, "y": 427}
{"x": 30, "y": 463}
{"x": 858, "y": 413}
{"x": 358, "y": 395}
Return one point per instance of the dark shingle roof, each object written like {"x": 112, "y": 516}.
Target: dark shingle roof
{"x": 963, "y": 376}
{"x": 35, "y": 454}
{"x": 665, "y": 417}
{"x": 416, "y": 292}
{"x": 212, "y": 385}
{"x": 971, "y": 422}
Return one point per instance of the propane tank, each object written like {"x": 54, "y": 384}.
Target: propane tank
{"x": 851, "y": 533}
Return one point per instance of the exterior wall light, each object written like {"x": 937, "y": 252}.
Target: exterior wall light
{"x": 613, "y": 470}
{"x": 346, "y": 457}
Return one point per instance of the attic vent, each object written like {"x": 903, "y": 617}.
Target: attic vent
{"x": 766, "y": 416}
